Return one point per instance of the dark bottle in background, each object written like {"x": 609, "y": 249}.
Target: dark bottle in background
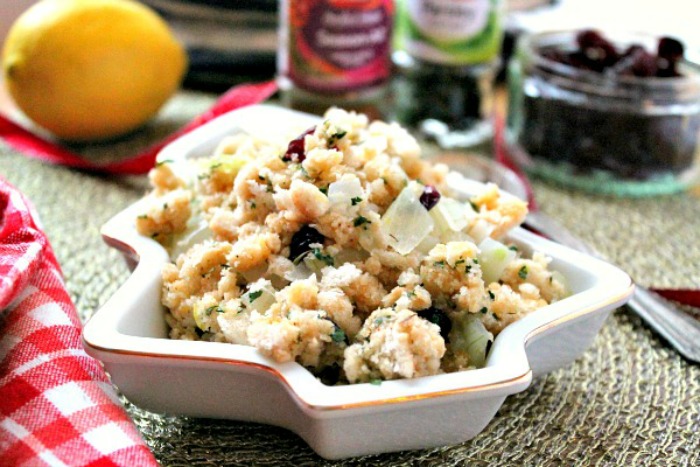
{"x": 447, "y": 54}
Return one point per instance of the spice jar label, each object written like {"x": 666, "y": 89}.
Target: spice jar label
{"x": 453, "y": 32}
{"x": 338, "y": 45}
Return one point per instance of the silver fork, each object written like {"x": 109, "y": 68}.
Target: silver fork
{"x": 674, "y": 325}
{"x": 677, "y": 327}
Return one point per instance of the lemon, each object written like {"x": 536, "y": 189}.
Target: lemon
{"x": 91, "y": 69}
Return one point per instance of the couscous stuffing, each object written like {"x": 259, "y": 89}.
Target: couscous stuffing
{"x": 341, "y": 250}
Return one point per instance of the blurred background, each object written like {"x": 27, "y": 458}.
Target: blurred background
{"x": 230, "y": 41}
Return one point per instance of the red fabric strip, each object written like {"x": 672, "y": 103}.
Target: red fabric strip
{"x": 34, "y": 146}
{"x": 684, "y": 296}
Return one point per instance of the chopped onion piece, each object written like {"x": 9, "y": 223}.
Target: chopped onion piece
{"x": 481, "y": 230}
{"x": 494, "y": 256}
{"x": 450, "y": 214}
{"x": 406, "y": 222}
{"x": 427, "y": 244}
{"x": 200, "y": 314}
{"x": 561, "y": 278}
{"x": 198, "y": 233}
{"x": 259, "y": 297}
{"x": 345, "y": 190}
{"x": 300, "y": 272}
{"x": 470, "y": 335}
{"x": 313, "y": 264}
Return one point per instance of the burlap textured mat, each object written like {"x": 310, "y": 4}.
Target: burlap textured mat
{"x": 629, "y": 400}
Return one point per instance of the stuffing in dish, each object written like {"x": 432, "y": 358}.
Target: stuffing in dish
{"x": 342, "y": 250}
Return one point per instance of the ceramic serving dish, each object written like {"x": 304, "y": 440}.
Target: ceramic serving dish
{"x": 206, "y": 379}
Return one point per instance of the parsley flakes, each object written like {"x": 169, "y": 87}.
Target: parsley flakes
{"x": 214, "y": 308}
{"x": 361, "y": 220}
{"x": 522, "y": 273}
{"x": 318, "y": 254}
{"x": 252, "y": 296}
{"x": 338, "y": 335}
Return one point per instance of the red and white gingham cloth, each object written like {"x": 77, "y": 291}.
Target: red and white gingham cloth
{"x": 57, "y": 406}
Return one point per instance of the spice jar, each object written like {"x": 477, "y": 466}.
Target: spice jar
{"x": 606, "y": 131}
{"x": 335, "y": 53}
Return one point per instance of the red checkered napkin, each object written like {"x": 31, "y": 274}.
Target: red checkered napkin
{"x": 57, "y": 406}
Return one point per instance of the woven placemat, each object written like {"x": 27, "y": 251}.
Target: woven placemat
{"x": 629, "y": 400}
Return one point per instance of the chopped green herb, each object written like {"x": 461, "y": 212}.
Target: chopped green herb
{"x": 303, "y": 171}
{"x": 252, "y": 296}
{"x": 318, "y": 254}
{"x": 253, "y": 205}
{"x": 143, "y": 216}
{"x": 467, "y": 268}
{"x": 261, "y": 177}
{"x": 225, "y": 266}
{"x": 338, "y": 335}
{"x": 211, "y": 309}
{"x": 475, "y": 261}
{"x": 215, "y": 165}
{"x": 324, "y": 190}
{"x": 439, "y": 264}
{"x": 522, "y": 273}
{"x": 375, "y": 382}
{"x": 163, "y": 162}
{"x": 492, "y": 296}
{"x": 513, "y": 248}
{"x": 495, "y": 316}
{"x": 332, "y": 139}
{"x": 165, "y": 205}
{"x": 355, "y": 200}
{"x": 484, "y": 310}
{"x": 459, "y": 261}
{"x": 361, "y": 220}
{"x": 474, "y": 206}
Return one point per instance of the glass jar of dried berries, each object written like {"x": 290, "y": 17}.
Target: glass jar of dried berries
{"x": 615, "y": 114}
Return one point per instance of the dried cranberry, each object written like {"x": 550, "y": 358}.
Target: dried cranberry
{"x": 295, "y": 149}
{"x": 302, "y": 241}
{"x": 438, "y": 317}
{"x": 430, "y": 197}
{"x": 625, "y": 66}
{"x": 600, "y": 53}
{"x": 670, "y": 51}
{"x": 644, "y": 65}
